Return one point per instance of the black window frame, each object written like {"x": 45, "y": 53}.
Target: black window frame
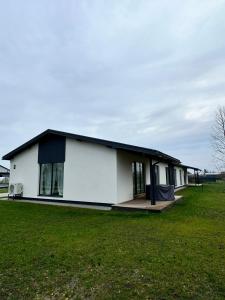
{"x": 181, "y": 181}
{"x": 175, "y": 177}
{"x": 157, "y": 175}
{"x": 51, "y": 194}
{"x": 167, "y": 175}
{"x": 139, "y": 174}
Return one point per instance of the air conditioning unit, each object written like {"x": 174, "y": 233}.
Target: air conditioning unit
{"x": 15, "y": 189}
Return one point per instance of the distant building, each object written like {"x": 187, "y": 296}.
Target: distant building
{"x": 207, "y": 177}
{"x": 4, "y": 172}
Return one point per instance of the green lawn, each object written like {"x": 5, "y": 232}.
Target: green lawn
{"x": 3, "y": 190}
{"x": 49, "y": 252}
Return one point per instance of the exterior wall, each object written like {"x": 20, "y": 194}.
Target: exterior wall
{"x": 162, "y": 172}
{"x": 26, "y": 171}
{"x": 89, "y": 172}
{"x": 179, "y": 183}
{"x": 125, "y": 175}
{"x": 92, "y": 173}
{"x": 187, "y": 179}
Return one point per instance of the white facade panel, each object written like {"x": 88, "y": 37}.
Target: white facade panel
{"x": 125, "y": 175}
{"x": 162, "y": 172}
{"x": 24, "y": 169}
{"x": 180, "y": 179}
{"x": 89, "y": 172}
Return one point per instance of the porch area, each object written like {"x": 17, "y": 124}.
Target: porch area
{"x": 145, "y": 205}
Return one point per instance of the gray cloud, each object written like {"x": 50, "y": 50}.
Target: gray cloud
{"x": 142, "y": 72}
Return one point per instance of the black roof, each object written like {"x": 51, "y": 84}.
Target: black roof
{"x": 115, "y": 145}
{"x": 189, "y": 167}
{"x": 6, "y": 169}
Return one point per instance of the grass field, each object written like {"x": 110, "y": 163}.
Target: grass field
{"x": 3, "y": 190}
{"x": 52, "y": 252}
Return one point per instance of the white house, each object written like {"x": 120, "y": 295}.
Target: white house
{"x": 65, "y": 167}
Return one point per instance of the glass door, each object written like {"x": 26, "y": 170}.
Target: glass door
{"x": 138, "y": 170}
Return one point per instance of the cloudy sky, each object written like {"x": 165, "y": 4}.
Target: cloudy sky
{"x": 149, "y": 73}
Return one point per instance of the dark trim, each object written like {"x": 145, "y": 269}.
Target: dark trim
{"x": 7, "y": 170}
{"x": 189, "y": 167}
{"x": 51, "y": 149}
{"x": 115, "y": 145}
{"x": 4, "y": 174}
{"x": 62, "y": 201}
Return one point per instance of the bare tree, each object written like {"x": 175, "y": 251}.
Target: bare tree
{"x": 218, "y": 137}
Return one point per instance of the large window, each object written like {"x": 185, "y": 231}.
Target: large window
{"x": 167, "y": 175}
{"x": 175, "y": 177}
{"x": 157, "y": 178}
{"x": 51, "y": 179}
{"x": 138, "y": 169}
{"x": 181, "y": 181}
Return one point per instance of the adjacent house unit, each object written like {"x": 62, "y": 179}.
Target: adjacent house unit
{"x": 60, "y": 166}
{"x": 4, "y": 172}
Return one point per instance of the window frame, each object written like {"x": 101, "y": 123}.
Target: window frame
{"x": 181, "y": 181}
{"x": 167, "y": 175}
{"x": 139, "y": 174}
{"x": 175, "y": 177}
{"x": 157, "y": 175}
{"x": 51, "y": 194}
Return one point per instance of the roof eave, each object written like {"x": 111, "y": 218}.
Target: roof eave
{"x": 150, "y": 152}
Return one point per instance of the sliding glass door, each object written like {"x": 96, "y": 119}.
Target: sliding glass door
{"x": 138, "y": 170}
{"x": 51, "y": 179}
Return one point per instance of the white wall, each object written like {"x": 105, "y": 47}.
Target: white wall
{"x": 26, "y": 171}
{"x": 179, "y": 182}
{"x": 162, "y": 172}
{"x": 89, "y": 172}
{"x": 125, "y": 176}
{"x": 92, "y": 173}
{"x": 187, "y": 177}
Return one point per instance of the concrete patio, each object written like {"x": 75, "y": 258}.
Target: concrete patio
{"x": 145, "y": 205}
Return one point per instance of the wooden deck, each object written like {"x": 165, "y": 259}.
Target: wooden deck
{"x": 145, "y": 205}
